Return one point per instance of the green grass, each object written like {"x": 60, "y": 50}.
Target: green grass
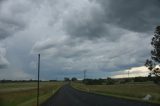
{"x": 128, "y": 91}
{"x": 24, "y": 94}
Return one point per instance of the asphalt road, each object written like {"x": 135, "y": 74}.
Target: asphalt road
{"x": 68, "y": 96}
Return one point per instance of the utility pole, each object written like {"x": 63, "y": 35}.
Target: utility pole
{"x": 38, "y": 80}
{"x": 128, "y": 73}
{"x": 85, "y": 74}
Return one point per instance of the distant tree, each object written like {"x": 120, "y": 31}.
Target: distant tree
{"x": 110, "y": 81}
{"x": 94, "y": 81}
{"x": 66, "y": 79}
{"x": 74, "y": 79}
{"x": 154, "y": 61}
{"x": 140, "y": 79}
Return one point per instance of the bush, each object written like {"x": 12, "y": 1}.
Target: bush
{"x": 66, "y": 79}
{"x": 94, "y": 81}
{"x": 140, "y": 79}
{"x": 110, "y": 81}
{"x": 74, "y": 79}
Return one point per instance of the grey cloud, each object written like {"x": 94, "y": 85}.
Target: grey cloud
{"x": 9, "y": 27}
{"x": 86, "y": 22}
{"x": 11, "y": 18}
{"x": 12, "y": 21}
{"x": 3, "y": 65}
{"x": 134, "y": 15}
{"x": 112, "y": 42}
{"x": 98, "y": 55}
{"x": 73, "y": 35}
{"x": 66, "y": 48}
{"x": 100, "y": 17}
{"x": 1, "y": 1}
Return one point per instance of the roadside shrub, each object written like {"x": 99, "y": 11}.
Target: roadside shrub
{"x": 94, "y": 81}
{"x": 140, "y": 79}
{"x": 74, "y": 79}
{"x": 110, "y": 81}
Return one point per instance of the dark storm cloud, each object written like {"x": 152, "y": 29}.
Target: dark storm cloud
{"x": 135, "y": 15}
{"x": 9, "y": 27}
{"x": 102, "y": 43}
{"x": 2, "y": 66}
{"x": 103, "y": 18}
{"x": 10, "y": 19}
{"x": 86, "y": 22}
{"x": 11, "y": 22}
{"x": 75, "y": 35}
{"x": 1, "y": 1}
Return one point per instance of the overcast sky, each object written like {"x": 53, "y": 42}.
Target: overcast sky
{"x": 104, "y": 37}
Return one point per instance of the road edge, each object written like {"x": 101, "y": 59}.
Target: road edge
{"x": 51, "y": 97}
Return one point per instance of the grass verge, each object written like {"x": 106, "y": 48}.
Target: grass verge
{"x": 127, "y": 91}
{"x": 24, "y": 94}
